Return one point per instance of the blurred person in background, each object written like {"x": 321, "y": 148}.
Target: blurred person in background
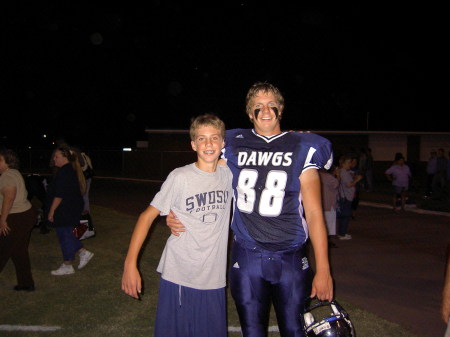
{"x": 431, "y": 171}
{"x": 65, "y": 201}
{"x": 17, "y": 220}
{"x": 399, "y": 174}
{"x": 355, "y": 169}
{"x": 347, "y": 186}
{"x": 366, "y": 166}
{"x": 36, "y": 186}
{"x": 440, "y": 177}
{"x": 329, "y": 192}
{"x": 88, "y": 171}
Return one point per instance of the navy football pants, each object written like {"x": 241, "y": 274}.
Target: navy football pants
{"x": 259, "y": 278}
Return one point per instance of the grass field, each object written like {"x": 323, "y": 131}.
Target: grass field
{"x": 91, "y": 303}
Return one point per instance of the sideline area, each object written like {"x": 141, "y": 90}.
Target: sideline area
{"x": 394, "y": 265}
{"x": 407, "y": 208}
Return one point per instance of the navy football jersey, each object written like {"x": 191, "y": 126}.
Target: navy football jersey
{"x": 266, "y": 170}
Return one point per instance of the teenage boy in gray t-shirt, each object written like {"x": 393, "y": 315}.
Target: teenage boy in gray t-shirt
{"x": 192, "y": 297}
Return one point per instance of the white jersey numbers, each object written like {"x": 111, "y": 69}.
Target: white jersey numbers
{"x": 271, "y": 200}
{"x": 272, "y": 196}
{"x": 246, "y": 190}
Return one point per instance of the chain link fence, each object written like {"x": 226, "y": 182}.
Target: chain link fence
{"x": 139, "y": 164}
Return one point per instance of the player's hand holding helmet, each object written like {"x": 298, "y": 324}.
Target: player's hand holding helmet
{"x": 326, "y": 319}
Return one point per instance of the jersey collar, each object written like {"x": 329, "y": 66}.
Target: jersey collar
{"x": 269, "y": 139}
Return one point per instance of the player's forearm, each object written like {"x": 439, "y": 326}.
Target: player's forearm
{"x": 312, "y": 202}
{"x": 319, "y": 241}
{"x": 318, "y": 237}
{"x": 322, "y": 286}
{"x": 321, "y": 256}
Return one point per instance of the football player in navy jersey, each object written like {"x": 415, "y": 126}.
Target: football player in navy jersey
{"x": 277, "y": 207}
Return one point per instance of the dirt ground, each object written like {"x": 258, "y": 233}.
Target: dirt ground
{"x": 393, "y": 266}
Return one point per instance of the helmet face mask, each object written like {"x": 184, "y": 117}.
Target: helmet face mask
{"x": 334, "y": 324}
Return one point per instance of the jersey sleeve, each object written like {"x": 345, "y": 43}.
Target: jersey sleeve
{"x": 320, "y": 154}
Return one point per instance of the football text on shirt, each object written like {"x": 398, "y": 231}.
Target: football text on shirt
{"x": 207, "y": 201}
{"x": 265, "y": 158}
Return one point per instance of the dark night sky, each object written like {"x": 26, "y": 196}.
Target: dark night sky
{"x": 100, "y": 75}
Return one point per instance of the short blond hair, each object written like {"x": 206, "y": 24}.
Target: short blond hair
{"x": 207, "y": 120}
{"x": 266, "y": 88}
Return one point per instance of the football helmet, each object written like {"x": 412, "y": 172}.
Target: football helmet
{"x": 335, "y": 324}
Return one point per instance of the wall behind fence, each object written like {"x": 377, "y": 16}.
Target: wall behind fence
{"x": 144, "y": 164}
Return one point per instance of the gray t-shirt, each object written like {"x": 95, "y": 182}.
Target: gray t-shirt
{"x": 201, "y": 201}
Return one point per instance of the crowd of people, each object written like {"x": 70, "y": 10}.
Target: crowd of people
{"x": 63, "y": 198}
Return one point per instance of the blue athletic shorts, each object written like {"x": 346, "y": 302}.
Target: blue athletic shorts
{"x": 189, "y": 312}
{"x": 259, "y": 277}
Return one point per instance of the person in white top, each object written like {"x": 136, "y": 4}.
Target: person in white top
{"x": 17, "y": 219}
{"x": 399, "y": 174}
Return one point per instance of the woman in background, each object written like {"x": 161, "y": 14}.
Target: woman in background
{"x": 329, "y": 193}
{"x": 347, "y": 184}
{"x": 17, "y": 220}
{"x": 399, "y": 174}
{"x": 65, "y": 194}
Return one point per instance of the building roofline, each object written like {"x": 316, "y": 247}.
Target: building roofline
{"x": 166, "y": 131}
{"x": 329, "y": 132}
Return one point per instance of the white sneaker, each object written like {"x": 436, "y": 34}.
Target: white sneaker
{"x": 64, "y": 269}
{"x": 345, "y": 237}
{"x": 88, "y": 234}
{"x": 85, "y": 257}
